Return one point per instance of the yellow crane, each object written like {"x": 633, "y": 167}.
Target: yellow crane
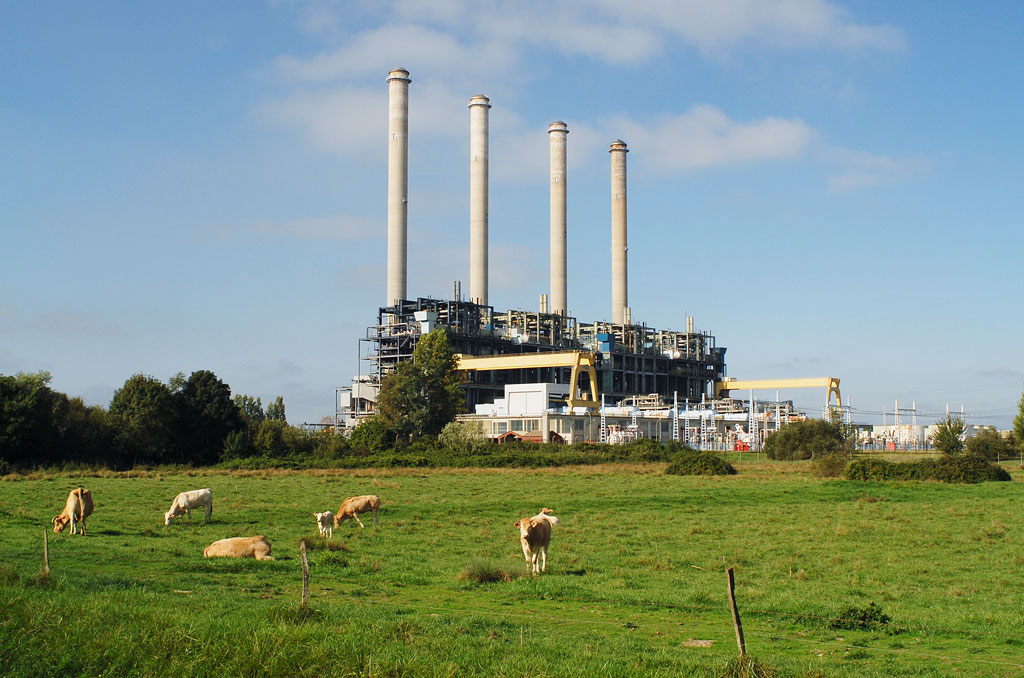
{"x": 722, "y": 388}
{"x": 580, "y": 361}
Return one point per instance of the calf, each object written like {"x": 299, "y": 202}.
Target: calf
{"x": 353, "y": 506}
{"x": 535, "y": 535}
{"x": 325, "y": 523}
{"x": 77, "y": 508}
{"x": 186, "y": 501}
{"x": 239, "y": 547}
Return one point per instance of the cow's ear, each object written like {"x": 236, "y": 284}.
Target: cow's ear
{"x": 516, "y": 523}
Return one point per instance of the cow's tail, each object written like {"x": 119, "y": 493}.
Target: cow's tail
{"x": 553, "y": 520}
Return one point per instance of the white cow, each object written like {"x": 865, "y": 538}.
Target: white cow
{"x": 325, "y": 523}
{"x": 186, "y": 501}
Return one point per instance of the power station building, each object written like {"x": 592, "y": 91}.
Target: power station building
{"x": 584, "y": 364}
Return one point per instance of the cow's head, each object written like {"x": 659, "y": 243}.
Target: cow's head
{"x": 545, "y": 511}
{"x": 168, "y": 517}
{"x": 59, "y": 523}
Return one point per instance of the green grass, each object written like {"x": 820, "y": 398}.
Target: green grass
{"x": 636, "y": 574}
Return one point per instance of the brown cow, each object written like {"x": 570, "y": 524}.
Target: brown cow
{"x": 77, "y": 508}
{"x": 535, "y": 535}
{"x": 239, "y": 547}
{"x": 353, "y": 506}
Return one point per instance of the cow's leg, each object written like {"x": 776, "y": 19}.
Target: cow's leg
{"x": 72, "y": 523}
{"x": 81, "y": 526}
{"x": 209, "y": 512}
{"x": 356, "y": 516}
{"x": 189, "y": 512}
{"x": 526, "y": 554}
{"x": 544, "y": 558}
{"x": 376, "y": 518}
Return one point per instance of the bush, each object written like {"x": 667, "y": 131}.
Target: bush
{"x": 373, "y": 435}
{"x": 462, "y": 436}
{"x": 990, "y": 445}
{"x": 829, "y": 465}
{"x": 949, "y": 469}
{"x": 861, "y": 618}
{"x": 693, "y": 463}
{"x": 806, "y": 440}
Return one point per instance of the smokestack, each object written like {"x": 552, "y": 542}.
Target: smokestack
{"x": 478, "y": 131}
{"x": 618, "y": 152}
{"x": 557, "y": 133}
{"x": 398, "y": 182}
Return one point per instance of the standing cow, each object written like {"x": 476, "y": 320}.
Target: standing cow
{"x": 353, "y": 506}
{"x": 186, "y": 501}
{"x": 77, "y": 508}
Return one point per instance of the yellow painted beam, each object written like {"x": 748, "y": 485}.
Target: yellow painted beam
{"x": 579, "y": 361}
{"x": 523, "y": 360}
{"x": 830, "y": 383}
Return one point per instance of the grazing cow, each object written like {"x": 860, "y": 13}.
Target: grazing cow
{"x": 535, "y": 535}
{"x": 77, "y": 508}
{"x": 353, "y": 506}
{"x": 239, "y": 547}
{"x": 186, "y": 501}
{"x": 325, "y": 522}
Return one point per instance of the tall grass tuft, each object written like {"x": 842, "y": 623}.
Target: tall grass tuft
{"x": 745, "y": 666}
{"x": 482, "y": 571}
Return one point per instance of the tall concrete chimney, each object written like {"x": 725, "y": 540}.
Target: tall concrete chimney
{"x": 618, "y": 152}
{"x": 398, "y": 183}
{"x": 557, "y": 133}
{"x": 478, "y": 144}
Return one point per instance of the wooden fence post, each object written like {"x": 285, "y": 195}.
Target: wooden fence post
{"x": 46, "y": 554}
{"x": 736, "y": 614}
{"x": 305, "y": 573}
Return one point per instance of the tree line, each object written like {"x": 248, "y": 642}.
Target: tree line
{"x": 188, "y": 420}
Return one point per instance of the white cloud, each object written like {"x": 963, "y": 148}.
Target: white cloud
{"x": 865, "y": 170}
{"x": 337, "y": 227}
{"x": 705, "y": 137}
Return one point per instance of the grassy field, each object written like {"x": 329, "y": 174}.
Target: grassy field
{"x": 636, "y": 581}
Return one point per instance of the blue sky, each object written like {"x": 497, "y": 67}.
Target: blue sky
{"x": 832, "y": 189}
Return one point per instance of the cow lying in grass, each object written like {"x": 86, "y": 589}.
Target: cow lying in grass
{"x": 325, "y": 523}
{"x": 77, "y": 508}
{"x": 535, "y": 535}
{"x": 353, "y": 506}
{"x": 239, "y": 547}
{"x": 186, "y": 501}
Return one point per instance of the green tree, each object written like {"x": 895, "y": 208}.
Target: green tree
{"x": 207, "y": 415}
{"x": 991, "y": 445}
{"x": 949, "y": 435}
{"x": 420, "y": 397}
{"x": 270, "y": 440}
{"x": 1018, "y": 423}
{"x": 145, "y": 420}
{"x": 275, "y": 410}
{"x": 33, "y": 419}
{"x": 372, "y": 434}
{"x": 252, "y": 411}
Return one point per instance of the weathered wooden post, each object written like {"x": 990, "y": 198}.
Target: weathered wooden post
{"x": 305, "y": 573}
{"x": 46, "y": 554}
{"x": 736, "y": 614}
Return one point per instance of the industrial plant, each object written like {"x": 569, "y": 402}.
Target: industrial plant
{"x": 542, "y": 374}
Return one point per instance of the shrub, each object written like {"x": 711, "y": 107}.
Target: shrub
{"x": 693, "y": 463}
{"x": 960, "y": 469}
{"x": 852, "y": 617}
{"x": 372, "y": 434}
{"x": 829, "y": 465}
{"x": 806, "y": 439}
{"x": 990, "y": 445}
{"x": 462, "y": 436}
